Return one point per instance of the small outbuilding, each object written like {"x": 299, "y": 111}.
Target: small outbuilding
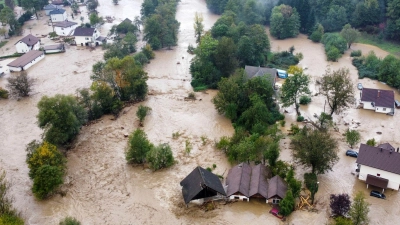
{"x": 200, "y": 184}
{"x": 28, "y": 43}
{"x": 25, "y": 61}
{"x": 65, "y": 28}
{"x": 58, "y": 15}
{"x": 54, "y": 48}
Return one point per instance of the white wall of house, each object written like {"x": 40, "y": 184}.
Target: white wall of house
{"x": 53, "y": 51}
{"x": 58, "y": 17}
{"x": 33, "y": 62}
{"x": 383, "y": 110}
{"x": 394, "y": 179}
{"x": 64, "y": 31}
{"x": 368, "y": 105}
{"x": 238, "y": 197}
{"x": 23, "y": 47}
{"x": 82, "y": 40}
{"x": 274, "y": 200}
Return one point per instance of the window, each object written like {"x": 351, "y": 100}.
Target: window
{"x": 62, "y": 28}
{"x": 384, "y": 109}
{"x": 86, "y": 38}
{"x": 378, "y": 174}
{"x": 276, "y": 201}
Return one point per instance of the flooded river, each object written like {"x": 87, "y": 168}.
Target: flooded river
{"x": 102, "y": 189}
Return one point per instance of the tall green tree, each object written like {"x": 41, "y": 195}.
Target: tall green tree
{"x": 388, "y": 71}
{"x": 293, "y": 88}
{"x": 349, "y": 34}
{"x": 359, "y": 209}
{"x": 138, "y": 147}
{"x": 61, "y": 117}
{"x": 284, "y": 22}
{"x": 335, "y": 19}
{"x": 352, "y": 137}
{"x": 216, "y": 6}
{"x": 35, "y": 5}
{"x": 338, "y": 89}
{"x": 315, "y": 149}
{"x": 287, "y": 204}
{"x": 198, "y": 26}
{"x": 6, "y": 16}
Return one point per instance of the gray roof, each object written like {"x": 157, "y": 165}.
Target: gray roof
{"x": 379, "y": 158}
{"x": 377, "y": 181}
{"x": 201, "y": 183}
{"x": 255, "y": 71}
{"x": 382, "y": 98}
{"x": 259, "y": 183}
{"x": 65, "y": 24}
{"x": 53, "y": 47}
{"x": 84, "y": 31}
{"x": 29, "y": 39}
{"x": 50, "y": 6}
{"x": 277, "y": 187}
{"x": 26, "y": 58}
{"x": 386, "y": 146}
{"x": 238, "y": 180}
{"x": 57, "y": 11}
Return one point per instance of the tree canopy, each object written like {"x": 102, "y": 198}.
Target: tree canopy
{"x": 293, "y": 88}
{"x": 284, "y": 22}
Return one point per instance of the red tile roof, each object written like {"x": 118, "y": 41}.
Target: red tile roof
{"x": 382, "y": 98}
{"x": 379, "y": 158}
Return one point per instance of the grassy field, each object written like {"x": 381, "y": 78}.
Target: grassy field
{"x": 391, "y": 47}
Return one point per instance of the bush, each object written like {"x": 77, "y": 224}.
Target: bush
{"x": 148, "y": 52}
{"x": 160, "y": 157}
{"x": 294, "y": 128}
{"x": 282, "y": 122}
{"x": 223, "y": 143}
{"x": 141, "y": 58}
{"x": 356, "y": 53}
{"x": 46, "y": 180}
{"x": 333, "y": 54}
{"x": 371, "y": 142}
{"x": 352, "y": 137}
{"x": 3, "y": 93}
{"x": 142, "y": 112}
{"x": 10, "y": 219}
{"x": 287, "y": 204}
{"x": 138, "y": 147}
{"x": 304, "y": 100}
{"x": 69, "y": 221}
{"x": 300, "y": 118}
{"x": 20, "y": 85}
{"x": 340, "y": 204}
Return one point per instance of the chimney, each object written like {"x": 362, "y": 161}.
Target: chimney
{"x": 397, "y": 149}
{"x": 379, "y": 93}
{"x": 381, "y": 149}
{"x": 391, "y": 150}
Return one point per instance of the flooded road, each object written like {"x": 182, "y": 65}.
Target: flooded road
{"x": 102, "y": 189}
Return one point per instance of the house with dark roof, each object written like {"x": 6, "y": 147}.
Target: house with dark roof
{"x": 201, "y": 184}
{"x": 64, "y": 28}
{"x": 381, "y": 101}
{"x": 25, "y": 61}
{"x": 58, "y": 15}
{"x": 379, "y": 166}
{"x": 50, "y": 7}
{"x": 27, "y": 43}
{"x": 246, "y": 181}
{"x": 256, "y": 71}
{"x": 86, "y": 36}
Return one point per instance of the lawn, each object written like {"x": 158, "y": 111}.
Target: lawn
{"x": 391, "y": 47}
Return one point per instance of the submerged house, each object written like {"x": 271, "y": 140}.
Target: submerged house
{"x": 256, "y": 71}
{"x": 86, "y": 36}
{"x": 246, "y": 181}
{"x": 65, "y": 28}
{"x": 25, "y": 61}
{"x": 381, "y": 101}
{"x": 201, "y": 184}
{"x": 27, "y": 43}
{"x": 379, "y": 166}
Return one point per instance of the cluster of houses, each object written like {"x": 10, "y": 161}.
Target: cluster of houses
{"x": 244, "y": 182}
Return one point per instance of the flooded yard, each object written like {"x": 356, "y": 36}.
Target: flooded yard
{"x": 102, "y": 189}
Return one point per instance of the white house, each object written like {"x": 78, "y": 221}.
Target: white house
{"x": 379, "y": 166}
{"x": 58, "y": 15}
{"x": 381, "y": 101}
{"x": 28, "y": 43}
{"x": 65, "y": 28}
{"x": 25, "y": 61}
{"x": 86, "y": 36}
{"x": 50, "y": 7}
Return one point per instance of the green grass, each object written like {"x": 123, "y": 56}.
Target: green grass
{"x": 3, "y": 43}
{"x": 391, "y": 47}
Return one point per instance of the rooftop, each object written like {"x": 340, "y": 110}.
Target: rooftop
{"x": 256, "y": 71}
{"x": 57, "y": 11}
{"x": 381, "y": 98}
{"x": 84, "y": 31}
{"x": 65, "y": 24}
{"x": 26, "y": 58}
{"x": 379, "y": 158}
{"x": 53, "y": 47}
{"x": 29, "y": 39}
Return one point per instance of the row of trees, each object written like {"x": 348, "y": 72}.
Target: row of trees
{"x": 385, "y": 70}
{"x": 160, "y": 26}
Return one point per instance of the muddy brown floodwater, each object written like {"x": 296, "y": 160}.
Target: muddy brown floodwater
{"x": 102, "y": 189}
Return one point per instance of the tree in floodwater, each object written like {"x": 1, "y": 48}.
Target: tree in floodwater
{"x": 198, "y": 26}
{"x": 294, "y": 87}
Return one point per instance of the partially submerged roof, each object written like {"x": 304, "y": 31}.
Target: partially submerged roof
{"x": 201, "y": 183}
{"x": 381, "y": 98}
{"x": 238, "y": 179}
{"x": 277, "y": 187}
{"x": 57, "y": 11}
{"x": 379, "y": 158}
{"x": 84, "y": 31}
{"x": 29, "y": 39}
{"x": 25, "y": 58}
{"x": 259, "y": 183}
{"x": 377, "y": 181}
{"x": 254, "y": 71}
{"x": 65, "y": 24}
{"x": 53, "y": 47}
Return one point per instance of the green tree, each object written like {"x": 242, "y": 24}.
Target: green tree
{"x": 129, "y": 42}
{"x": 160, "y": 157}
{"x": 61, "y": 117}
{"x": 272, "y": 154}
{"x": 216, "y": 6}
{"x": 317, "y": 34}
{"x": 225, "y": 56}
{"x": 338, "y": 89}
{"x": 138, "y": 147}
{"x": 284, "y": 22}
{"x": 371, "y": 142}
{"x": 69, "y": 221}
{"x": 198, "y": 26}
{"x": 95, "y": 19}
{"x": 349, "y": 34}
{"x": 336, "y": 18}
{"x": 148, "y": 51}
{"x": 6, "y": 16}
{"x": 352, "y": 137}
{"x": 20, "y": 85}
{"x": 46, "y": 180}
{"x": 293, "y": 88}
{"x": 287, "y": 204}
{"x": 8, "y": 214}
{"x": 311, "y": 182}
{"x": 315, "y": 149}
{"x": 142, "y": 112}
{"x": 359, "y": 209}
{"x": 294, "y": 184}
{"x": 388, "y": 71}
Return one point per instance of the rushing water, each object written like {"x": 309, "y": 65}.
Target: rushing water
{"x": 102, "y": 189}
